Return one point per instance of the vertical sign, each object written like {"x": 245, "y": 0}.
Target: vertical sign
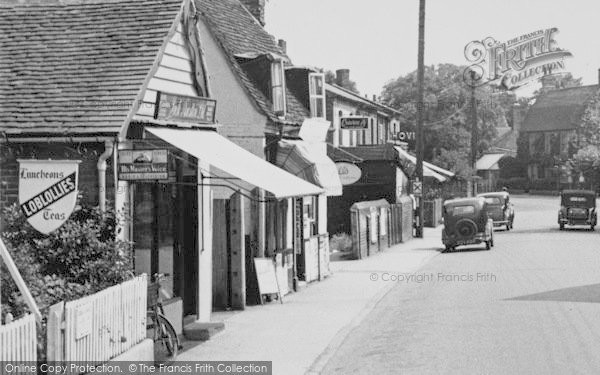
{"x": 47, "y": 192}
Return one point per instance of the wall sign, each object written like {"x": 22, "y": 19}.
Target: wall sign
{"x": 404, "y": 136}
{"x": 171, "y": 107}
{"x": 348, "y": 172}
{"x": 47, "y": 192}
{"x": 354, "y": 123}
{"x": 137, "y": 165}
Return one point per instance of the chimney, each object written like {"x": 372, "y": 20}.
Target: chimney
{"x": 599, "y": 76}
{"x": 374, "y": 98}
{"x": 283, "y": 45}
{"x": 342, "y": 77}
{"x": 549, "y": 83}
{"x": 516, "y": 117}
{"x": 256, "y": 8}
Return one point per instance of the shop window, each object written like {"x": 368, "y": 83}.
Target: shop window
{"x": 144, "y": 235}
{"x": 317, "y": 94}
{"x": 278, "y": 87}
{"x": 310, "y": 213}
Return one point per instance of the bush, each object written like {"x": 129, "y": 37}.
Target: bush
{"x": 80, "y": 258}
{"x": 341, "y": 242}
{"x": 548, "y": 184}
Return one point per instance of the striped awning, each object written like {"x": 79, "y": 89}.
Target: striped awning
{"x": 311, "y": 163}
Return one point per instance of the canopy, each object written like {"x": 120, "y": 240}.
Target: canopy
{"x": 429, "y": 169}
{"x": 311, "y": 164}
{"x": 223, "y": 154}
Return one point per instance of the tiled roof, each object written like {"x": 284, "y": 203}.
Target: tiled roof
{"x": 74, "y": 67}
{"x": 239, "y": 33}
{"x": 559, "y": 109}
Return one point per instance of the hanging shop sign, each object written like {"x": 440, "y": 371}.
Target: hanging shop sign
{"x": 181, "y": 108}
{"x": 48, "y": 192}
{"x": 348, "y": 172}
{"x": 135, "y": 165}
{"x": 354, "y": 123}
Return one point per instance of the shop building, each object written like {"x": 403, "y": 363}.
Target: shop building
{"x": 123, "y": 88}
{"x": 358, "y": 121}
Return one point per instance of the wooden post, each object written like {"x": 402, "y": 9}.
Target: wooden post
{"x": 55, "y": 347}
{"x": 238, "y": 252}
{"x": 14, "y": 272}
{"x": 154, "y": 257}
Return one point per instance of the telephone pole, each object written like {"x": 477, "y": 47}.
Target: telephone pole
{"x": 420, "y": 109}
{"x": 474, "y": 136}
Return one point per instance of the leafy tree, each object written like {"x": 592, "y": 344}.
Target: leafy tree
{"x": 447, "y": 126}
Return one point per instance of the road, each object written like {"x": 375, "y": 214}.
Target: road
{"x": 531, "y": 305}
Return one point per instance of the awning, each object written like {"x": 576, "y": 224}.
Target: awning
{"x": 429, "y": 169}
{"x": 310, "y": 162}
{"x": 225, "y": 155}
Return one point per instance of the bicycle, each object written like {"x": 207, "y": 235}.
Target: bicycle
{"x": 158, "y": 327}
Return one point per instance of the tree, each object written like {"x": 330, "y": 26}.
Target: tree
{"x": 447, "y": 131}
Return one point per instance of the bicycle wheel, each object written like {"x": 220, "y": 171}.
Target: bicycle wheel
{"x": 161, "y": 331}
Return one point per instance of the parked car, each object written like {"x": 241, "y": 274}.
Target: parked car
{"x": 500, "y": 209}
{"x": 577, "y": 207}
{"x": 466, "y": 222}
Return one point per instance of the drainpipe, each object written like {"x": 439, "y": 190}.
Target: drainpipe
{"x": 108, "y": 150}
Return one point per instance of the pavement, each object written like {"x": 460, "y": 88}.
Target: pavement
{"x": 302, "y": 334}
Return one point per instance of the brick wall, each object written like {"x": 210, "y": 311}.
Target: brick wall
{"x": 88, "y": 153}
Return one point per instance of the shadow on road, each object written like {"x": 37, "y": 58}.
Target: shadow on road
{"x": 584, "y": 293}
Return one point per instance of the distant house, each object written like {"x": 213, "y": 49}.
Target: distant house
{"x": 488, "y": 169}
{"x": 549, "y": 132}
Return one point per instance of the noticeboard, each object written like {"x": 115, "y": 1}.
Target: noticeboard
{"x": 266, "y": 277}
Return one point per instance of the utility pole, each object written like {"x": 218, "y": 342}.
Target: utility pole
{"x": 420, "y": 109}
{"x": 474, "y": 137}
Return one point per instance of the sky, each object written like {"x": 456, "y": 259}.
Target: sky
{"x": 377, "y": 39}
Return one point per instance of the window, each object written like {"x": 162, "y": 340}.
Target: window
{"x": 278, "y": 87}
{"x": 317, "y": 94}
{"x": 310, "y": 213}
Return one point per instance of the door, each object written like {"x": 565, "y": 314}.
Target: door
{"x": 189, "y": 234}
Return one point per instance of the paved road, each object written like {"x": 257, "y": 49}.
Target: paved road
{"x": 531, "y": 305}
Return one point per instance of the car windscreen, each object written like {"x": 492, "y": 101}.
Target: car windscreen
{"x": 460, "y": 210}
{"x": 493, "y": 200}
{"x": 578, "y": 200}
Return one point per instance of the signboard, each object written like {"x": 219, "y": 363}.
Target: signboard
{"x": 404, "y": 136}
{"x": 354, "y": 123}
{"x": 192, "y": 109}
{"x": 348, "y": 172}
{"x": 266, "y": 277}
{"x": 417, "y": 188}
{"x": 47, "y": 192}
{"x": 137, "y": 165}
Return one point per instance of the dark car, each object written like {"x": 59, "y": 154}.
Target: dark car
{"x": 466, "y": 222}
{"x": 577, "y": 207}
{"x": 500, "y": 209}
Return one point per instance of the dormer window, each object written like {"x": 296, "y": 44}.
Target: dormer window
{"x": 317, "y": 94}
{"x": 278, "y": 87}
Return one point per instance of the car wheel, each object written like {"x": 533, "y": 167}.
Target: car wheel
{"x": 592, "y": 227}
{"x": 561, "y": 226}
{"x": 507, "y": 226}
{"x": 488, "y": 245}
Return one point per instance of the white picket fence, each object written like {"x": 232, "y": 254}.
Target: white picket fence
{"x": 18, "y": 341}
{"x": 101, "y": 326}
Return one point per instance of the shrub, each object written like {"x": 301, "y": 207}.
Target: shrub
{"x": 341, "y": 242}
{"x": 515, "y": 183}
{"x": 80, "y": 258}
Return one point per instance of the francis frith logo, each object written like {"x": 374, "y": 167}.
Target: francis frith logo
{"x": 514, "y": 63}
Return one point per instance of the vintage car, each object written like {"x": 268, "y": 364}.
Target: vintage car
{"x": 577, "y": 207}
{"x": 500, "y": 209}
{"x": 466, "y": 222}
